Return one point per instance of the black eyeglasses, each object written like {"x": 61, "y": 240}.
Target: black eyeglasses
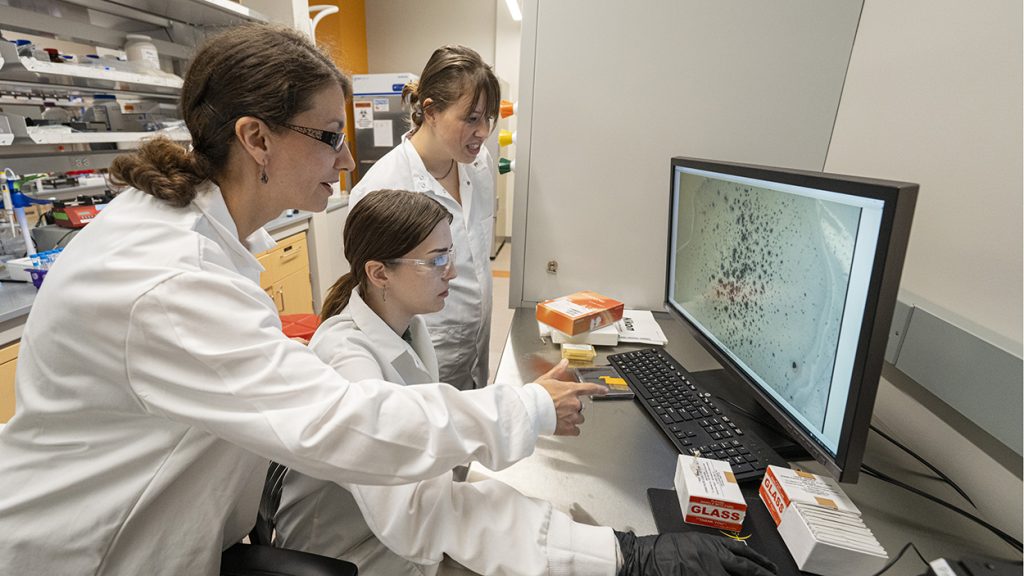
{"x": 333, "y": 139}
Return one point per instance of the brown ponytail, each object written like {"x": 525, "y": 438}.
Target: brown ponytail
{"x": 385, "y": 224}
{"x": 162, "y": 168}
{"x": 269, "y": 72}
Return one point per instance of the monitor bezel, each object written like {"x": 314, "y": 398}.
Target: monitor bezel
{"x": 899, "y": 199}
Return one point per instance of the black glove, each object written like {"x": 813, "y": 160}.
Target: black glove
{"x": 689, "y": 554}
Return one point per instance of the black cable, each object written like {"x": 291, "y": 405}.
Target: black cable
{"x": 1003, "y": 535}
{"x": 66, "y": 234}
{"x": 900, "y": 555}
{"x": 926, "y": 463}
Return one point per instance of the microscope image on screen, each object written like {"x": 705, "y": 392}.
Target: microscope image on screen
{"x": 766, "y": 272}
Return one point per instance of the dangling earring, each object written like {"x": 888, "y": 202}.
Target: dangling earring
{"x": 385, "y": 293}
{"x": 263, "y": 175}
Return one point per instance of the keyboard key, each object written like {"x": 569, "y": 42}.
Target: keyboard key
{"x": 742, "y": 468}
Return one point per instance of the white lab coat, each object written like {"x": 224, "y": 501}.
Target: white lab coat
{"x": 154, "y": 383}
{"x": 461, "y": 331}
{"x": 486, "y": 526}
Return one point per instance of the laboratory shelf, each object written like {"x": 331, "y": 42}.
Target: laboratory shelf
{"x": 30, "y": 71}
{"x": 49, "y": 135}
{"x": 199, "y": 12}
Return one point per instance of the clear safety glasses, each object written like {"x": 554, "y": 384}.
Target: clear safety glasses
{"x": 438, "y": 264}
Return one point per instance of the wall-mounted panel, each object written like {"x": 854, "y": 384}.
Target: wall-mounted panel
{"x": 616, "y": 89}
{"x": 934, "y": 96}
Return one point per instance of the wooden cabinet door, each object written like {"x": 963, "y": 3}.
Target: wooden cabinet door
{"x": 296, "y": 293}
{"x": 8, "y": 361}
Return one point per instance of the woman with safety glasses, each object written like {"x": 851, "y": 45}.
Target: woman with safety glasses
{"x": 147, "y": 417}
{"x": 400, "y": 248}
{"x": 453, "y": 106}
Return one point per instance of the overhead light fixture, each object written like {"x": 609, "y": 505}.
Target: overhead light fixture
{"x": 513, "y": 10}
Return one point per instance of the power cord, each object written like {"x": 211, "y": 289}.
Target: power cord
{"x": 900, "y": 555}
{"x": 938, "y": 472}
{"x": 885, "y": 478}
{"x": 945, "y": 478}
{"x": 66, "y": 234}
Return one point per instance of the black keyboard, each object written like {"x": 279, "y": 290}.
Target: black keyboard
{"x": 688, "y": 416}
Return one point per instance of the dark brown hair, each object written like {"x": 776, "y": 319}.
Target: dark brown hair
{"x": 260, "y": 70}
{"x": 452, "y": 72}
{"x": 385, "y": 224}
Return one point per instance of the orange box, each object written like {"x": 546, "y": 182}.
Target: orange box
{"x": 579, "y": 312}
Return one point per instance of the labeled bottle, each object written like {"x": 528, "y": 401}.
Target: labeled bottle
{"x": 140, "y": 51}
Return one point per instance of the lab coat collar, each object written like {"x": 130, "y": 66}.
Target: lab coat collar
{"x": 423, "y": 181}
{"x": 407, "y": 360}
{"x": 210, "y": 201}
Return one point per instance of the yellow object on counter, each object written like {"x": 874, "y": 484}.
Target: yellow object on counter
{"x": 578, "y": 352}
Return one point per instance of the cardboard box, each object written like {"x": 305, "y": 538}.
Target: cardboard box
{"x": 821, "y": 526}
{"x": 783, "y": 486}
{"x": 835, "y": 555}
{"x": 708, "y": 493}
{"x": 579, "y": 312}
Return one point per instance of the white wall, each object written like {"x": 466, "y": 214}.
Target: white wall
{"x": 402, "y": 34}
{"x": 933, "y": 96}
{"x": 610, "y": 92}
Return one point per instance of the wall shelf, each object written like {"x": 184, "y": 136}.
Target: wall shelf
{"x": 14, "y": 68}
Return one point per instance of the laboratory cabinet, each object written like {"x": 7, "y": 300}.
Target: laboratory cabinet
{"x": 286, "y": 277}
{"x": 8, "y": 361}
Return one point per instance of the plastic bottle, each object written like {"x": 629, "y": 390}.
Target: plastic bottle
{"x": 140, "y": 50}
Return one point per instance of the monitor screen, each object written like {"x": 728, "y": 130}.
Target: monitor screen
{"x": 790, "y": 279}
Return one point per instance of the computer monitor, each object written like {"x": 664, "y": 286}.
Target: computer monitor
{"x": 789, "y": 278}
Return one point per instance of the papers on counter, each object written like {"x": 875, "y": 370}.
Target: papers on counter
{"x": 635, "y": 327}
{"x": 640, "y": 327}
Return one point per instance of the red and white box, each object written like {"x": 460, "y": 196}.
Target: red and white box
{"x": 708, "y": 493}
{"x": 821, "y": 526}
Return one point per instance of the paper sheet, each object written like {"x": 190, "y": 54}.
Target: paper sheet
{"x": 383, "y": 136}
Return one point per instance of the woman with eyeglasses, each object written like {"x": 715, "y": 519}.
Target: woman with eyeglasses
{"x": 453, "y": 108}
{"x": 399, "y": 245}
{"x": 154, "y": 383}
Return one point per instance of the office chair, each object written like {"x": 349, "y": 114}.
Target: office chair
{"x": 261, "y": 558}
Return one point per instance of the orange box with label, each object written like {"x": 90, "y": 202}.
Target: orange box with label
{"x": 579, "y": 312}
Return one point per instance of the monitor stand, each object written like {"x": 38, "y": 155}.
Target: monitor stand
{"x": 750, "y": 415}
